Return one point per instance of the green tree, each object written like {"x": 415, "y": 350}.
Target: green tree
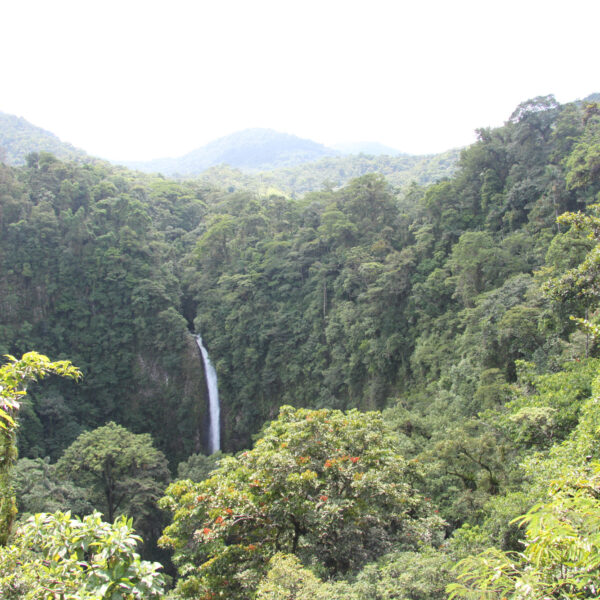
{"x": 328, "y": 487}
{"x": 14, "y": 377}
{"x": 562, "y": 549}
{"x": 476, "y": 264}
{"x": 122, "y": 471}
{"x": 287, "y": 578}
{"x": 578, "y": 287}
{"x": 39, "y": 489}
{"x": 583, "y": 164}
{"x": 198, "y": 467}
{"x": 421, "y": 575}
{"x": 57, "y": 556}
{"x": 465, "y": 468}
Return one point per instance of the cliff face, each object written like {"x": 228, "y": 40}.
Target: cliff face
{"x": 174, "y": 400}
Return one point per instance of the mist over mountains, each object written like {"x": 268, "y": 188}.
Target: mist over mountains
{"x": 248, "y": 150}
{"x": 372, "y": 148}
{"x": 255, "y": 150}
{"x": 260, "y": 160}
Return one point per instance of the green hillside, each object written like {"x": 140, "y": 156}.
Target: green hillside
{"x": 258, "y": 160}
{"x": 335, "y": 172}
{"x": 263, "y": 160}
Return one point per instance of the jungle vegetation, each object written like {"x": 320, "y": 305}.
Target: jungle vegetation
{"x": 409, "y": 378}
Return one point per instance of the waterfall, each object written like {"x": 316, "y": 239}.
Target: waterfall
{"x": 214, "y": 431}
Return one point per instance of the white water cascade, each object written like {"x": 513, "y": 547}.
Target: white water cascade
{"x": 214, "y": 409}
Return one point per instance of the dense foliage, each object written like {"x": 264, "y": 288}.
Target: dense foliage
{"x": 329, "y": 487}
{"x": 462, "y": 315}
{"x": 334, "y": 172}
{"x": 89, "y": 271}
{"x": 57, "y": 556}
{"x": 122, "y": 473}
{"x": 15, "y": 375}
{"x": 54, "y": 555}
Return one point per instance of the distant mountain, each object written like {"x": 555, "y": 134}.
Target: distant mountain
{"x": 369, "y": 148}
{"x": 258, "y": 159}
{"x": 18, "y": 138}
{"x": 251, "y": 150}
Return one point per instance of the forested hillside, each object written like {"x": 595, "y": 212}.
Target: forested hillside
{"x": 334, "y": 172}
{"x": 352, "y": 297}
{"x": 459, "y": 317}
{"x": 18, "y": 138}
{"x": 267, "y": 162}
{"x": 91, "y": 265}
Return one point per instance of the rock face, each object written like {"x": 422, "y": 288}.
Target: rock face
{"x": 179, "y": 399}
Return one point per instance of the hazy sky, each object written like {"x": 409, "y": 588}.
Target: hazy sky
{"x": 143, "y": 79}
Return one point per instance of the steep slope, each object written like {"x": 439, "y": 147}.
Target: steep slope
{"x": 350, "y": 297}
{"x": 87, "y": 269}
{"x": 18, "y": 138}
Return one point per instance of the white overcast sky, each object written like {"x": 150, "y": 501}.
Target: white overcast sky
{"x": 132, "y": 79}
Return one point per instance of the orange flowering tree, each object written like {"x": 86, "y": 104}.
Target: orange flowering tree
{"x": 326, "y": 486}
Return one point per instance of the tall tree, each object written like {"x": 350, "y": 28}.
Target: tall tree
{"x": 123, "y": 471}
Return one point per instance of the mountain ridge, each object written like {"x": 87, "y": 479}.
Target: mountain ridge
{"x": 251, "y": 151}
{"x": 258, "y": 159}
